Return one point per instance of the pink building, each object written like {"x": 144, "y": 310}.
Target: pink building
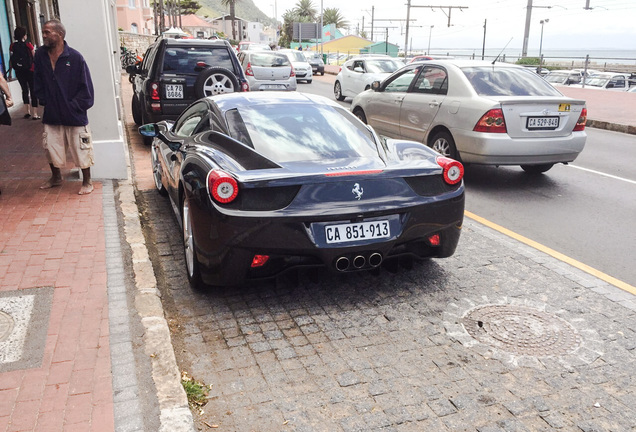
{"x": 135, "y": 16}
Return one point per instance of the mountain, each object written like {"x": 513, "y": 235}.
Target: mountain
{"x": 245, "y": 9}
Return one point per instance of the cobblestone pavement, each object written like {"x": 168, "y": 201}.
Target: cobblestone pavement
{"x": 499, "y": 337}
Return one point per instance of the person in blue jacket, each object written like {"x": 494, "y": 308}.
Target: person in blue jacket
{"x": 64, "y": 87}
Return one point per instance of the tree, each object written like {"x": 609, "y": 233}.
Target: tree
{"x": 332, "y": 16}
{"x": 306, "y": 9}
{"x": 187, "y": 7}
{"x": 231, "y": 4}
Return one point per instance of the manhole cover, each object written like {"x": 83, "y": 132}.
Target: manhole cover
{"x": 521, "y": 330}
{"x": 6, "y": 326}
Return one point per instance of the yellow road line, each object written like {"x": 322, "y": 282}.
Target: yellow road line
{"x": 566, "y": 259}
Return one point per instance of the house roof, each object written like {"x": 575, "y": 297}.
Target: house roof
{"x": 227, "y": 17}
{"x": 382, "y": 44}
{"x": 192, "y": 20}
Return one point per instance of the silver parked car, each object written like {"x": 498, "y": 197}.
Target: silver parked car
{"x": 300, "y": 64}
{"x": 267, "y": 70}
{"x": 479, "y": 112}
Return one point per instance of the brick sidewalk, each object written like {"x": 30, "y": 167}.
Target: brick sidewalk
{"x": 53, "y": 289}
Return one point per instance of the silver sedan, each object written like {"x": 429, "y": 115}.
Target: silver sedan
{"x": 477, "y": 112}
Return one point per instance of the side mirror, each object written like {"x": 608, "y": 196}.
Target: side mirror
{"x": 375, "y": 85}
{"x": 358, "y": 69}
{"x": 150, "y": 130}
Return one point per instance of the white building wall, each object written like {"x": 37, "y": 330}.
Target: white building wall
{"x": 91, "y": 29}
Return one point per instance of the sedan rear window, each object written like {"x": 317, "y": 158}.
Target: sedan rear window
{"x": 191, "y": 59}
{"x": 301, "y": 132}
{"x": 507, "y": 81}
{"x": 265, "y": 59}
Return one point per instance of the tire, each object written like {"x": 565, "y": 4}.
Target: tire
{"x": 189, "y": 247}
{"x": 136, "y": 110}
{"x": 358, "y": 112}
{"x": 337, "y": 91}
{"x": 536, "y": 169}
{"x": 156, "y": 171}
{"x": 215, "y": 80}
{"x": 444, "y": 144}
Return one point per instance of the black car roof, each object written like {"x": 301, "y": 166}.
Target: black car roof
{"x": 230, "y": 101}
{"x": 195, "y": 42}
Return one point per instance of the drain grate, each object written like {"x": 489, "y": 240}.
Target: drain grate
{"x": 521, "y": 330}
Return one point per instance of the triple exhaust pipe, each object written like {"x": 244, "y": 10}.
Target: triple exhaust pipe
{"x": 343, "y": 263}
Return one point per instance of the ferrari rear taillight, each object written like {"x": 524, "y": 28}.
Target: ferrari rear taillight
{"x": 493, "y": 122}
{"x": 259, "y": 260}
{"x": 580, "y": 123}
{"x": 453, "y": 170}
{"x": 154, "y": 91}
{"x": 248, "y": 70}
{"x": 222, "y": 187}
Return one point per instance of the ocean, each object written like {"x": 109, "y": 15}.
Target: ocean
{"x": 598, "y": 56}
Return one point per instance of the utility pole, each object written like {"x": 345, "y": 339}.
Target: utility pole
{"x": 406, "y": 37}
{"x": 526, "y": 33}
{"x": 450, "y": 8}
{"x": 372, "y": 17}
{"x": 483, "y": 46}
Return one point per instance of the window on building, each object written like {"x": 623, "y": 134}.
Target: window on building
{"x": 131, "y": 3}
{"x": 134, "y": 28}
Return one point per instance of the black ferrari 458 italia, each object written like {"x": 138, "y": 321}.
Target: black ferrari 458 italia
{"x": 263, "y": 182}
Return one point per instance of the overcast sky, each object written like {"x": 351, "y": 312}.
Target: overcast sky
{"x": 610, "y": 24}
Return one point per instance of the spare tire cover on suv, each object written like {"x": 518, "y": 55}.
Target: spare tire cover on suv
{"x": 215, "y": 80}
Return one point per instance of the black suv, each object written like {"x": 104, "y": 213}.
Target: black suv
{"x": 176, "y": 72}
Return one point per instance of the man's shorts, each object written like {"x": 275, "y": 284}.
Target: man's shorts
{"x": 77, "y": 139}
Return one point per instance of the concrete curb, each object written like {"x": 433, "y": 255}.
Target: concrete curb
{"x": 599, "y": 124}
{"x": 175, "y": 415}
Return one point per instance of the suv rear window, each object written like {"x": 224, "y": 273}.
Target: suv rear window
{"x": 184, "y": 60}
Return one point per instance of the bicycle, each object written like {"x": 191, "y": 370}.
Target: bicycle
{"x": 127, "y": 57}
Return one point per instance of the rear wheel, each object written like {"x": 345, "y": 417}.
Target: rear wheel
{"x": 189, "y": 247}
{"x": 536, "y": 169}
{"x": 360, "y": 114}
{"x": 444, "y": 144}
{"x": 136, "y": 110}
{"x": 214, "y": 81}
{"x": 337, "y": 91}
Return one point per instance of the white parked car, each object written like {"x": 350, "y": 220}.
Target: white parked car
{"x": 300, "y": 64}
{"x": 357, "y": 74}
{"x": 606, "y": 81}
{"x": 564, "y": 77}
{"x": 267, "y": 70}
{"x": 477, "y": 112}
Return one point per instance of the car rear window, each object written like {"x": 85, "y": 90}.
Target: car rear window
{"x": 301, "y": 132}
{"x": 383, "y": 66}
{"x": 184, "y": 60}
{"x": 266, "y": 59}
{"x": 507, "y": 81}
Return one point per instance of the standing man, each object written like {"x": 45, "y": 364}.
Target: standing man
{"x": 63, "y": 86}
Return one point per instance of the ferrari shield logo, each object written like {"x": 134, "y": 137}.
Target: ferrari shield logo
{"x": 357, "y": 191}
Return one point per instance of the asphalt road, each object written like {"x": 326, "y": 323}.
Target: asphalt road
{"x": 584, "y": 210}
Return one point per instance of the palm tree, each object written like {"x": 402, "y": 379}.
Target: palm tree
{"x": 231, "y": 3}
{"x": 332, "y": 16}
{"x": 306, "y": 9}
